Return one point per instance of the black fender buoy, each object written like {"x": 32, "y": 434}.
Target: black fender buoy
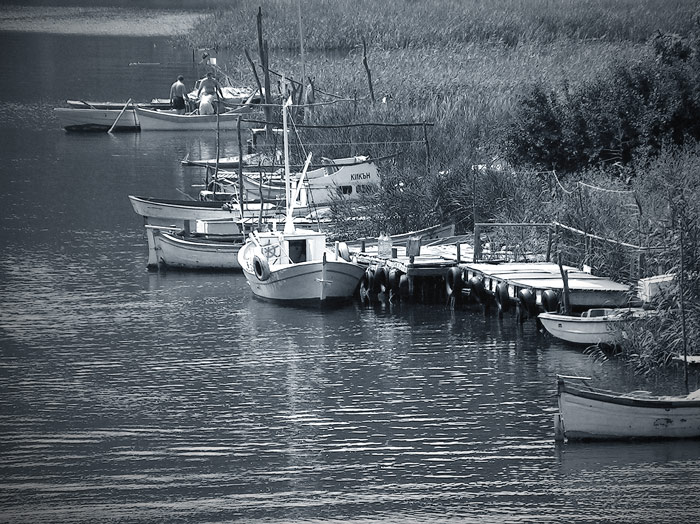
{"x": 261, "y": 267}
{"x": 381, "y": 279}
{"x": 453, "y": 282}
{"x": 528, "y": 302}
{"x": 367, "y": 281}
{"x": 476, "y": 285}
{"x": 550, "y": 301}
{"x": 403, "y": 285}
{"x": 502, "y": 298}
{"x": 394, "y": 280}
{"x": 344, "y": 251}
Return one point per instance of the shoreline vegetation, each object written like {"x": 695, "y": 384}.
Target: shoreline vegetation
{"x": 583, "y": 112}
{"x": 586, "y": 113}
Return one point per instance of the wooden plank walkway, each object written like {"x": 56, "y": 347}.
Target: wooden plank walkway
{"x": 437, "y": 256}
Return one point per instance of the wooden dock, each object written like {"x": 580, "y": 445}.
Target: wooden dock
{"x": 440, "y": 268}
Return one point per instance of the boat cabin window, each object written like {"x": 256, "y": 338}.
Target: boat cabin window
{"x": 595, "y": 313}
{"x": 346, "y": 190}
{"x": 297, "y": 251}
{"x": 365, "y": 188}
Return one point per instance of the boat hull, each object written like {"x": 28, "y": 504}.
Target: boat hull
{"x": 96, "y": 119}
{"x": 589, "y": 414}
{"x": 301, "y": 282}
{"x": 170, "y": 250}
{"x": 177, "y": 213}
{"x": 580, "y": 330}
{"x": 317, "y": 280}
{"x": 151, "y": 120}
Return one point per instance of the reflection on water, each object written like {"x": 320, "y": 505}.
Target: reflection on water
{"x": 177, "y": 396}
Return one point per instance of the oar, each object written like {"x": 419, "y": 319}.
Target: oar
{"x": 119, "y": 116}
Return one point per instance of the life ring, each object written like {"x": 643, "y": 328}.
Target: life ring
{"x": 502, "y": 298}
{"x": 261, "y": 267}
{"x": 453, "y": 282}
{"x": 550, "y": 301}
{"x": 344, "y": 251}
{"x": 528, "y": 302}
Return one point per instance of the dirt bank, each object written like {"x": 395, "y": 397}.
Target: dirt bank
{"x": 96, "y": 20}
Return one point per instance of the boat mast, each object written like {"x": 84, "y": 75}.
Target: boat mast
{"x": 301, "y": 44}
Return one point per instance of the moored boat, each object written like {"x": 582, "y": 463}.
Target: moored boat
{"x": 294, "y": 265}
{"x": 586, "y": 413}
{"x": 170, "y": 247}
{"x": 156, "y": 120}
{"x": 593, "y": 326}
{"x": 350, "y": 178}
{"x": 166, "y": 212}
{"x": 72, "y": 119}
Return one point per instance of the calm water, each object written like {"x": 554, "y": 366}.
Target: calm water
{"x": 130, "y": 396}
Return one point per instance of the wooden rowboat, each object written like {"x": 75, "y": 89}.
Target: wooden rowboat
{"x": 590, "y": 413}
{"x": 169, "y": 247}
{"x": 593, "y": 326}
{"x": 154, "y": 120}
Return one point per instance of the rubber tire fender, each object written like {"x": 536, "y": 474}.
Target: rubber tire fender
{"x": 381, "y": 279}
{"x": 528, "y": 302}
{"x": 453, "y": 281}
{"x": 476, "y": 285}
{"x": 550, "y": 301}
{"x": 261, "y": 266}
{"x": 502, "y": 297}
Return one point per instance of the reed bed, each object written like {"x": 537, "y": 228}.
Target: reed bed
{"x": 464, "y": 66}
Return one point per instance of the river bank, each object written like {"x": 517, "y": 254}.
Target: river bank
{"x": 97, "y": 21}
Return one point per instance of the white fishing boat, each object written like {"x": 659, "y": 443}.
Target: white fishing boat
{"x": 294, "y": 265}
{"x": 171, "y": 247}
{"x": 590, "y": 413}
{"x": 352, "y": 178}
{"x": 593, "y": 326}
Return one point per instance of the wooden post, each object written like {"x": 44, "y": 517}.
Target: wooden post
{"x": 369, "y": 75}
{"x": 240, "y": 166}
{"x": 427, "y": 149}
{"x": 549, "y": 245}
{"x": 477, "y": 243}
{"x": 263, "y": 52}
{"x": 565, "y": 305}
{"x": 255, "y": 74}
{"x": 459, "y": 253}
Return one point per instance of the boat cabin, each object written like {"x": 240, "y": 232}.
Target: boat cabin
{"x": 597, "y": 312}
{"x": 292, "y": 248}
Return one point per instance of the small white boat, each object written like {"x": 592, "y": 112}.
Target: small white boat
{"x": 352, "y": 178}
{"x": 168, "y": 120}
{"x": 590, "y": 413}
{"x": 169, "y": 247}
{"x": 295, "y": 266}
{"x": 250, "y": 159}
{"x": 176, "y": 213}
{"x": 594, "y": 326}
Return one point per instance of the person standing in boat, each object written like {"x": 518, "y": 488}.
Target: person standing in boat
{"x": 178, "y": 95}
{"x": 209, "y": 88}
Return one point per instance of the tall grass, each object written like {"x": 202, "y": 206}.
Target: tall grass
{"x": 341, "y": 24}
